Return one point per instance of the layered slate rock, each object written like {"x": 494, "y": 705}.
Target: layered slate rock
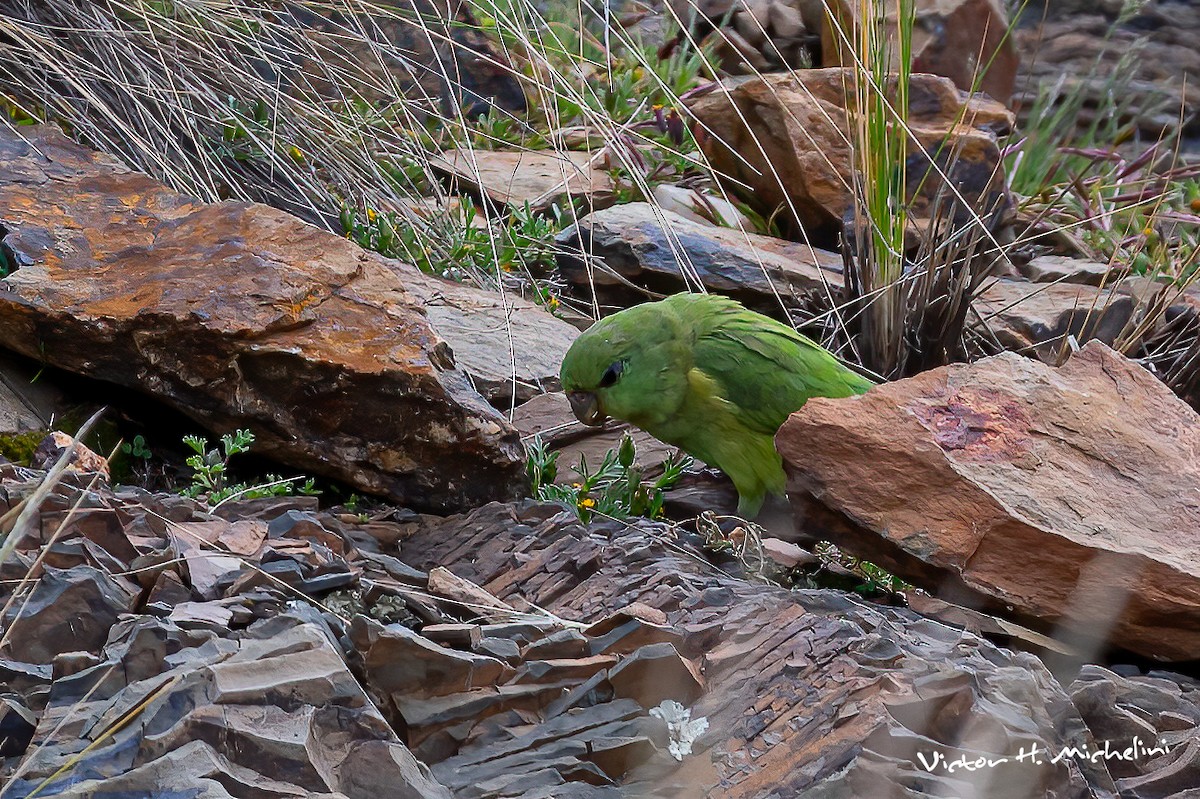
{"x": 1063, "y": 498}
{"x": 782, "y": 142}
{"x": 1160, "y": 712}
{"x": 805, "y": 693}
{"x": 270, "y": 711}
{"x": 552, "y": 661}
{"x": 242, "y": 316}
{"x": 1047, "y": 320}
{"x": 1152, "y": 51}
{"x": 630, "y": 252}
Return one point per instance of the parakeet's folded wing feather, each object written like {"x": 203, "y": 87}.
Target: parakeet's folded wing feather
{"x": 766, "y": 369}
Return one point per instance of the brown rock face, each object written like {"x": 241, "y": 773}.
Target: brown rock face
{"x": 240, "y": 315}
{"x": 1063, "y": 497}
{"x": 964, "y": 40}
{"x": 785, "y": 139}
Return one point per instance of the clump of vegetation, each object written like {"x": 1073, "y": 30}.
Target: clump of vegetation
{"x": 19, "y": 447}
{"x": 520, "y": 241}
{"x": 616, "y": 489}
{"x": 1081, "y": 181}
{"x": 210, "y": 472}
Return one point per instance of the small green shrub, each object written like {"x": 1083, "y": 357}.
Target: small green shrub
{"x": 210, "y": 471}
{"x": 616, "y": 489}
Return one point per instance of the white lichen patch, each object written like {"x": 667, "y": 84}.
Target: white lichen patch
{"x": 681, "y": 727}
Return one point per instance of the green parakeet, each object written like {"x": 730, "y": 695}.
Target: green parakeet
{"x": 705, "y": 374}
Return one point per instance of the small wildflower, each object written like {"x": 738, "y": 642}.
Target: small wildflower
{"x": 552, "y": 303}
{"x": 576, "y": 486}
{"x": 1148, "y": 231}
{"x": 371, "y": 215}
{"x": 587, "y": 502}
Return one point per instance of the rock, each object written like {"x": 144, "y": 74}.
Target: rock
{"x": 704, "y": 209}
{"x": 17, "y": 724}
{"x": 1158, "y": 711}
{"x": 81, "y": 459}
{"x": 313, "y": 343}
{"x": 806, "y": 693}
{"x": 27, "y": 404}
{"x": 1150, "y": 60}
{"x": 784, "y": 140}
{"x": 630, "y": 252}
{"x": 787, "y": 554}
{"x": 271, "y": 711}
{"x": 758, "y": 35}
{"x": 468, "y": 596}
{"x": 1061, "y": 269}
{"x": 68, "y": 610}
{"x": 1005, "y": 633}
{"x": 536, "y": 179}
{"x": 405, "y": 665}
{"x": 509, "y": 348}
{"x": 1081, "y": 475}
{"x": 956, "y": 39}
{"x": 436, "y": 55}
{"x": 655, "y": 673}
{"x": 1040, "y": 319}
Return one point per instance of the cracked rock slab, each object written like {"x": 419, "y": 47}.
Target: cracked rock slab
{"x": 240, "y": 315}
{"x": 1065, "y": 499}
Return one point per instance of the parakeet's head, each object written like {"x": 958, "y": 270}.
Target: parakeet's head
{"x": 628, "y": 366}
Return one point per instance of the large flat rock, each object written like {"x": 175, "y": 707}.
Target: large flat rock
{"x": 782, "y": 141}
{"x": 1066, "y": 498}
{"x": 240, "y": 315}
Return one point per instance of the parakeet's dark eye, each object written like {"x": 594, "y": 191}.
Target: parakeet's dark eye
{"x": 612, "y": 374}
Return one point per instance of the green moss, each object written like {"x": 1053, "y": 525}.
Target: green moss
{"x": 19, "y": 447}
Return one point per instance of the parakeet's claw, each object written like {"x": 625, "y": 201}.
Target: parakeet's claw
{"x": 586, "y": 408}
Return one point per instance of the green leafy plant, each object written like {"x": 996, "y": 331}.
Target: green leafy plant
{"x": 136, "y": 448}
{"x": 245, "y": 130}
{"x": 616, "y": 489}
{"x": 456, "y": 243}
{"x": 210, "y": 472}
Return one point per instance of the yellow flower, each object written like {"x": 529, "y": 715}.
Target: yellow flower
{"x": 577, "y": 486}
{"x": 587, "y": 502}
{"x": 371, "y": 215}
{"x": 553, "y": 303}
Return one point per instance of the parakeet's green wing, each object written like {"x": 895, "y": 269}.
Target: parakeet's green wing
{"x": 767, "y": 370}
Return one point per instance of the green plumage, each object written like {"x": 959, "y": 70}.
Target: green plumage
{"x": 701, "y": 372}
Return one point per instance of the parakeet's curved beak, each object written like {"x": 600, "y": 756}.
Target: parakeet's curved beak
{"x": 586, "y": 408}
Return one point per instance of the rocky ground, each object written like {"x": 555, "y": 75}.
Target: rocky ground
{"x": 454, "y": 638}
{"x": 274, "y": 649}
